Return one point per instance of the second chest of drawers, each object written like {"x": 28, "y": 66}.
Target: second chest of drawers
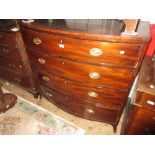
{"x": 14, "y": 63}
{"x": 140, "y": 113}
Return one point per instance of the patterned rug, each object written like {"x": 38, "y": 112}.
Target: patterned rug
{"x": 27, "y": 118}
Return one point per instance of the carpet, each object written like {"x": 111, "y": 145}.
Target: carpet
{"x": 26, "y": 118}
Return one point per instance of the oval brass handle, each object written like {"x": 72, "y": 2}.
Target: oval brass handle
{"x": 37, "y": 41}
{"x": 94, "y": 75}
{"x": 45, "y": 78}
{"x": 92, "y": 94}
{"x": 95, "y": 52}
{"x": 90, "y": 110}
{"x": 41, "y": 61}
{"x": 49, "y": 94}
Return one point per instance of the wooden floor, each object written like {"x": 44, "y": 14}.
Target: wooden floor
{"x": 91, "y": 127}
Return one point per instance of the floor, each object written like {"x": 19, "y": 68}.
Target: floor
{"x": 91, "y": 127}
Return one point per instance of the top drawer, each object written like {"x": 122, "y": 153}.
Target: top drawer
{"x": 83, "y": 50}
{"x": 8, "y": 38}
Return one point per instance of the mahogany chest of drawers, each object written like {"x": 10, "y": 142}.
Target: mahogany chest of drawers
{"x": 14, "y": 63}
{"x": 140, "y": 114}
{"x": 85, "y": 67}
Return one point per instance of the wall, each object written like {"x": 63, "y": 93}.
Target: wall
{"x": 151, "y": 48}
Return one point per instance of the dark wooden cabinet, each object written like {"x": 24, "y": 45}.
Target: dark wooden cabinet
{"x": 14, "y": 63}
{"x": 140, "y": 113}
{"x": 86, "y": 67}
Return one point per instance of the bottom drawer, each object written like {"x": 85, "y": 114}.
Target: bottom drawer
{"x": 140, "y": 122}
{"x": 105, "y": 97}
{"x": 144, "y": 116}
{"x": 138, "y": 128}
{"x": 15, "y": 78}
{"x": 83, "y": 110}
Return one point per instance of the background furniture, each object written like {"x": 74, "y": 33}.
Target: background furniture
{"x": 86, "y": 67}
{"x": 14, "y": 62}
{"x": 140, "y": 113}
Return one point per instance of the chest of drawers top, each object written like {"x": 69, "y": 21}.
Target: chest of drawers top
{"x": 92, "y": 29}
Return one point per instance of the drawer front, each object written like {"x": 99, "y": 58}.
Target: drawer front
{"x": 84, "y": 73}
{"x": 8, "y": 38}
{"x": 145, "y": 100}
{"x": 15, "y": 78}
{"x": 140, "y": 121}
{"x": 137, "y": 128}
{"x": 9, "y": 51}
{"x": 82, "y": 110}
{"x": 105, "y": 97}
{"x": 13, "y": 65}
{"x": 84, "y": 50}
{"x": 145, "y": 116}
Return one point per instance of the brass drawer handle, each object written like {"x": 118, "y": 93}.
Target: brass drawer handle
{"x": 92, "y": 94}
{"x": 45, "y": 78}
{"x": 95, "y": 52}
{"x": 37, "y": 41}
{"x": 94, "y": 75}
{"x": 41, "y": 61}
{"x": 90, "y": 111}
{"x": 49, "y": 94}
